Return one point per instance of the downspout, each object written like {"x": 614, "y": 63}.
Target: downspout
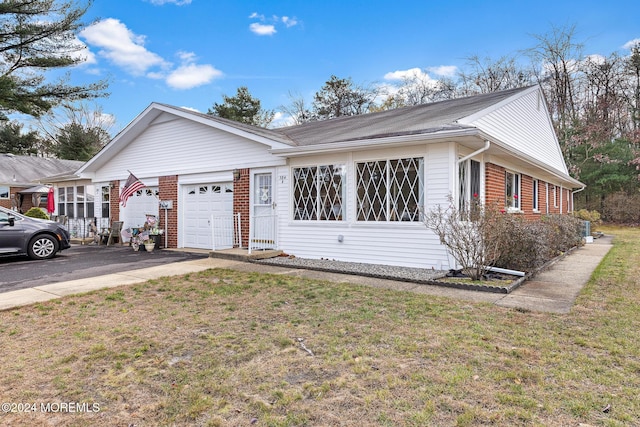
{"x": 487, "y": 144}
{"x": 573, "y": 206}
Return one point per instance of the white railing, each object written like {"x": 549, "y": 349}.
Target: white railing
{"x": 225, "y": 231}
{"x": 83, "y": 228}
{"x": 263, "y": 232}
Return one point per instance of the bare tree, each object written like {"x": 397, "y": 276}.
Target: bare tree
{"x": 297, "y": 109}
{"x": 487, "y": 75}
{"x": 557, "y": 57}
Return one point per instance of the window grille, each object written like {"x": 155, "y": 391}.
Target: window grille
{"x": 390, "y": 190}
{"x": 318, "y": 193}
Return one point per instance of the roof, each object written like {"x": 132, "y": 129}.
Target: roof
{"x": 419, "y": 119}
{"x": 26, "y": 170}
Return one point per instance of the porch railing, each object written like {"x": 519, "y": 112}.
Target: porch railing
{"x": 263, "y": 232}
{"x": 225, "y": 231}
{"x": 83, "y": 228}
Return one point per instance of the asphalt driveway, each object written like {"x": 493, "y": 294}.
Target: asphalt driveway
{"x": 81, "y": 262}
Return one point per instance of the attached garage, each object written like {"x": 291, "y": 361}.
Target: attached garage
{"x": 140, "y": 204}
{"x": 203, "y": 203}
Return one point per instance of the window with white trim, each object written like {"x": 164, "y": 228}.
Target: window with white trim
{"x": 75, "y": 202}
{"x": 512, "y": 190}
{"x": 4, "y": 192}
{"x": 105, "y": 201}
{"x": 390, "y": 190}
{"x": 469, "y": 181}
{"x": 319, "y": 193}
{"x": 536, "y": 205}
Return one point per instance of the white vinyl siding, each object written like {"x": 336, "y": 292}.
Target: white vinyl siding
{"x": 392, "y": 243}
{"x": 524, "y": 124}
{"x": 202, "y": 149}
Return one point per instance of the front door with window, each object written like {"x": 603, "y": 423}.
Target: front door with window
{"x": 263, "y": 219}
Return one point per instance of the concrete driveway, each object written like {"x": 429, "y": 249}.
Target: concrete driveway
{"x": 81, "y": 262}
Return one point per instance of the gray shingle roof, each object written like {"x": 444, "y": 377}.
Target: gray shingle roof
{"x": 25, "y": 170}
{"x": 425, "y": 118}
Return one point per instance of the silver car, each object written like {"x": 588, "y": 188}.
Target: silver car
{"x": 37, "y": 238}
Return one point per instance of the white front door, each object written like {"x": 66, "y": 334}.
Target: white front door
{"x": 263, "y": 220}
{"x": 201, "y": 203}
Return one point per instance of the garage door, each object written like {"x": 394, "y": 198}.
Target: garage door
{"x": 202, "y": 201}
{"x": 139, "y": 205}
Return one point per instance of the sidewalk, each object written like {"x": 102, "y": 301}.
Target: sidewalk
{"x": 553, "y": 290}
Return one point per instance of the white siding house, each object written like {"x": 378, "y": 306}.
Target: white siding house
{"x": 350, "y": 188}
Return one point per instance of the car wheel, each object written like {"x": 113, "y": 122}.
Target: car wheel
{"x": 42, "y": 247}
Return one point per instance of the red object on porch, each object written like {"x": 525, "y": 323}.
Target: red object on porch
{"x": 51, "y": 204}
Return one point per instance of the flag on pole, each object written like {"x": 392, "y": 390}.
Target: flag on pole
{"x": 132, "y": 185}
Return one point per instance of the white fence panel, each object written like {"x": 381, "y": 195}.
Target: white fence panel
{"x": 264, "y": 232}
{"x": 225, "y": 231}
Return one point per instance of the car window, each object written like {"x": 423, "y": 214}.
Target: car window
{"x": 4, "y": 217}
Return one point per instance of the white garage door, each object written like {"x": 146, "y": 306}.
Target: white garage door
{"x": 201, "y": 201}
{"x": 139, "y": 205}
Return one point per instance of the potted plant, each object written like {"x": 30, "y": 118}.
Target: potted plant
{"x": 149, "y": 245}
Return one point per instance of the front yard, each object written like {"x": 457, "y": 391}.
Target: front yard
{"x": 225, "y": 348}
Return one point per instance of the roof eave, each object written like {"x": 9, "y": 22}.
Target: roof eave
{"x": 369, "y": 143}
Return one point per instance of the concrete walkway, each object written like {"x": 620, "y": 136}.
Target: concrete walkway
{"x": 553, "y": 290}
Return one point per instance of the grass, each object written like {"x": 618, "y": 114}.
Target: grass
{"x": 225, "y": 348}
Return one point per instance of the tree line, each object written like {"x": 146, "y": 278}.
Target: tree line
{"x": 594, "y": 101}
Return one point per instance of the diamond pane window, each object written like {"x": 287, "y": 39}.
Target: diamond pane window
{"x": 318, "y": 193}
{"x": 390, "y": 190}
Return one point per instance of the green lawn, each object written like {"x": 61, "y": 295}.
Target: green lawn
{"x": 225, "y": 348}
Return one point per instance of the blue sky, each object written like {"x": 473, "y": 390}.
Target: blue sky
{"x": 188, "y": 53}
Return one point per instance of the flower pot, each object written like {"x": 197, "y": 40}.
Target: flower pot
{"x": 150, "y": 246}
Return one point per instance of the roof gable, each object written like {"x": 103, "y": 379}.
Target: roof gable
{"x": 161, "y": 113}
{"x": 522, "y": 123}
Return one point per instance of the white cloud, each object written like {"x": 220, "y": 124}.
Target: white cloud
{"x": 411, "y": 73}
{"x": 176, "y": 2}
{"x": 267, "y": 26}
{"x": 262, "y": 30}
{"x": 189, "y": 75}
{"x": 631, "y": 43}
{"x": 121, "y": 46}
{"x": 596, "y": 59}
{"x": 125, "y": 49}
{"x": 444, "y": 70}
{"x": 289, "y": 22}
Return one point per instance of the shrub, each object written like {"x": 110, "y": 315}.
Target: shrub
{"x": 621, "y": 208}
{"x": 483, "y": 237}
{"x": 592, "y": 216}
{"x": 36, "y": 213}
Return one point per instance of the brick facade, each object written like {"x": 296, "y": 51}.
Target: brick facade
{"x": 168, "y": 190}
{"x": 241, "y": 203}
{"x": 495, "y": 193}
{"x": 26, "y": 199}
{"x": 114, "y": 200}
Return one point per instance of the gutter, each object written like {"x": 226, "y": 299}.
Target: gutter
{"x": 487, "y": 144}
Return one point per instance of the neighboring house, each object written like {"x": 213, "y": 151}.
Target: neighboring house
{"x": 349, "y": 188}
{"x": 22, "y": 179}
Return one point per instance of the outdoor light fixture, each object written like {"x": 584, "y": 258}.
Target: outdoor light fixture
{"x": 236, "y": 174}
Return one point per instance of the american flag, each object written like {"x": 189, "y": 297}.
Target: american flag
{"x": 132, "y": 185}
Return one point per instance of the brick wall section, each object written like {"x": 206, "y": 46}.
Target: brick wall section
{"x": 494, "y": 185}
{"x": 495, "y": 189}
{"x": 26, "y": 199}
{"x": 241, "y": 204}
{"x": 168, "y": 190}
{"x": 114, "y": 200}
